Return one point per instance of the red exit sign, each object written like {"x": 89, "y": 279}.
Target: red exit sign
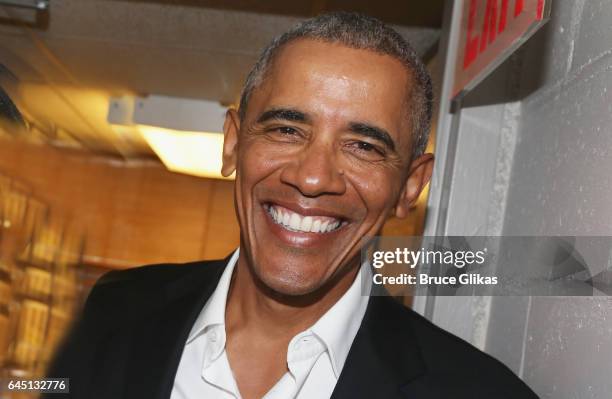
{"x": 490, "y": 31}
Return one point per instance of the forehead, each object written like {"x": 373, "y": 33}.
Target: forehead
{"x": 335, "y": 83}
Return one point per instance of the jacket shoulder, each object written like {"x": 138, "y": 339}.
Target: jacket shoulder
{"x": 120, "y": 292}
{"x": 117, "y": 299}
{"x": 452, "y": 361}
{"x": 153, "y": 273}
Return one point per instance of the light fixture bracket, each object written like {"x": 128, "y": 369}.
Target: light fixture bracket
{"x": 35, "y": 4}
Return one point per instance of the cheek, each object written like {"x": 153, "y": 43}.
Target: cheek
{"x": 378, "y": 190}
{"x": 257, "y": 159}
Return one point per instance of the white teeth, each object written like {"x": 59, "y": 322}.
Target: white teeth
{"x": 297, "y": 222}
{"x": 306, "y": 223}
{"x": 324, "y": 226}
{"x": 332, "y": 226}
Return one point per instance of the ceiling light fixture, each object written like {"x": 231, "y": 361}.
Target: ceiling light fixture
{"x": 184, "y": 133}
{"x": 36, "y": 4}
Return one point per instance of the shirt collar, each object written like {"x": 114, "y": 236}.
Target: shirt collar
{"x": 336, "y": 328}
{"x": 214, "y": 311}
{"x": 339, "y": 325}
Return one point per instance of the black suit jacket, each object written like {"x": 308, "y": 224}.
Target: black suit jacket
{"x": 128, "y": 343}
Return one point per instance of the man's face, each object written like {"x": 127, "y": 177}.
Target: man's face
{"x": 322, "y": 159}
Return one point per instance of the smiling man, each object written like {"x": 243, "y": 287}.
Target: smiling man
{"x": 327, "y": 144}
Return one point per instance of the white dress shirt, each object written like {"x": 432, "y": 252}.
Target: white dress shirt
{"x": 315, "y": 357}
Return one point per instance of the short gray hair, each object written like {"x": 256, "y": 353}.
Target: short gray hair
{"x": 360, "y": 32}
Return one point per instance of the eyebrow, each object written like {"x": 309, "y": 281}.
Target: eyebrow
{"x": 286, "y": 114}
{"x": 373, "y": 132}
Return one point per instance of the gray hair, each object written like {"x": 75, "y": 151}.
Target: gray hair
{"x": 360, "y": 32}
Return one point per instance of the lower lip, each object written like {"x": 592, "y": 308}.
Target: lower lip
{"x": 298, "y": 238}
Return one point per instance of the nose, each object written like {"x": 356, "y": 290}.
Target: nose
{"x": 315, "y": 171}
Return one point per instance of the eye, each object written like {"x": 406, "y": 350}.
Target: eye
{"x": 284, "y": 134}
{"x": 362, "y": 145}
{"x": 366, "y": 151}
{"x": 286, "y": 130}
{"x": 368, "y": 147}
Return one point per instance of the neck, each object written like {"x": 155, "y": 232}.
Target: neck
{"x": 253, "y": 307}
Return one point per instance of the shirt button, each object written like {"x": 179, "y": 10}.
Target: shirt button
{"x": 213, "y": 336}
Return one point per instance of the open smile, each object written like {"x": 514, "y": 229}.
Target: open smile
{"x": 294, "y": 221}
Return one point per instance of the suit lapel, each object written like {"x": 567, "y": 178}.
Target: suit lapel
{"x": 384, "y": 357}
{"x": 158, "y": 338}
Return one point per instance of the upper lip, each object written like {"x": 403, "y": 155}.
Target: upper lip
{"x": 306, "y": 211}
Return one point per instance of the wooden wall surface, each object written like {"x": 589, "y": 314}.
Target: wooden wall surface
{"x": 133, "y": 214}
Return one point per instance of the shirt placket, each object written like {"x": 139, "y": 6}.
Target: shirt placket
{"x": 302, "y": 354}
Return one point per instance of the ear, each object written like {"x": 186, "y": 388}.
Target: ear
{"x": 231, "y": 128}
{"x": 418, "y": 177}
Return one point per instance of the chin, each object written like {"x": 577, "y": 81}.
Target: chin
{"x": 290, "y": 278}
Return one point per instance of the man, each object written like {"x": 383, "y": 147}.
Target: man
{"x": 326, "y": 145}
